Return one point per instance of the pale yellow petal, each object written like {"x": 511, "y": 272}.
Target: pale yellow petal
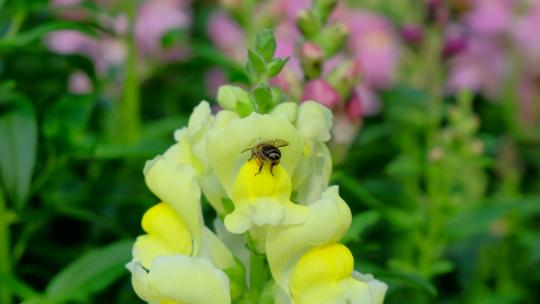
{"x": 147, "y": 248}
{"x": 313, "y": 173}
{"x": 314, "y": 121}
{"x": 287, "y": 110}
{"x": 176, "y": 185}
{"x": 188, "y": 280}
{"x": 213, "y": 249}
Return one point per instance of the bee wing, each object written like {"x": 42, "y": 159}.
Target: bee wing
{"x": 279, "y": 143}
{"x": 247, "y": 149}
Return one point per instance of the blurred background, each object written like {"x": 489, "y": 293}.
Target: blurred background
{"x": 436, "y": 140}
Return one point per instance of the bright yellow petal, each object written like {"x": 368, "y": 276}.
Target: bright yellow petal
{"x": 328, "y": 220}
{"x": 176, "y": 185}
{"x": 262, "y": 198}
{"x": 226, "y": 143}
{"x": 328, "y": 264}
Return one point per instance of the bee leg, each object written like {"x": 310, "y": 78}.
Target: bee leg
{"x": 272, "y": 169}
{"x": 260, "y": 168}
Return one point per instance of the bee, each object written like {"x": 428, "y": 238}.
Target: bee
{"x": 267, "y": 150}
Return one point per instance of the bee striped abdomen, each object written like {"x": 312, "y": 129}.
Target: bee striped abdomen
{"x": 271, "y": 152}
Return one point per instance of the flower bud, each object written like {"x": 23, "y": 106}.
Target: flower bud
{"x": 320, "y": 91}
{"x": 333, "y": 38}
{"x": 355, "y": 109}
{"x": 308, "y": 24}
{"x": 234, "y": 99}
{"x": 324, "y": 8}
{"x": 412, "y": 34}
{"x": 345, "y": 76}
{"x": 311, "y": 58}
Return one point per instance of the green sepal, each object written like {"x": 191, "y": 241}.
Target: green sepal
{"x": 332, "y": 38}
{"x": 308, "y": 24}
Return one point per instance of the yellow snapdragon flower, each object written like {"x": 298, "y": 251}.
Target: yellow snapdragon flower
{"x": 310, "y": 265}
{"x": 178, "y": 258}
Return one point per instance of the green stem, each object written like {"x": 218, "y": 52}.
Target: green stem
{"x": 257, "y": 277}
{"x": 5, "y": 260}
{"x": 129, "y": 106}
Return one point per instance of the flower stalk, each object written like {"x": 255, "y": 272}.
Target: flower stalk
{"x": 5, "y": 257}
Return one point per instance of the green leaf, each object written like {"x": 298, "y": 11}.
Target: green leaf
{"x": 91, "y": 273}
{"x": 68, "y": 118}
{"x": 360, "y": 222}
{"x": 25, "y": 38}
{"x": 19, "y": 288}
{"x": 265, "y": 44}
{"x": 275, "y": 66}
{"x": 257, "y": 62}
{"x": 18, "y": 143}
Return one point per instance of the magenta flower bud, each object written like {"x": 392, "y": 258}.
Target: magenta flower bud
{"x": 320, "y": 91}
{"x": 311, "y": 57}
{"x": 437, "y": 12}
{"x": 412, "y": 33}
{"x": 355, "y": 110}
{"x": 311, "y": 51}
{"x": 455, "y": 41}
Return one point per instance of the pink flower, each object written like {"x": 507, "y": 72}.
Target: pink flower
{"x": 69, "y": 42}
{"x": 79, "y": 83}
{"x": 526, "y": 34}
{"x": 374, "y": 45}
{"x": 155, "y": 18}
{"x": 214, "y": 78}
{"x": 490, "y": 17}
{"x": 369, "y": 103}
{"x": 320, "y": 91}
{"x": 480, "y": 68}
{"x": 291, "y": 8}
{"x": 529, "y": 107}
{"x": 227, "y": 36}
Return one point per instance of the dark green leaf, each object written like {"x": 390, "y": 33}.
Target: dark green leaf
{"x": 68, "y": 118}
{"x": 91, "y": 273}
{"x": 19, "y": 288}
{"x": 38, "y": 32}
{"x": 18, "y": 141}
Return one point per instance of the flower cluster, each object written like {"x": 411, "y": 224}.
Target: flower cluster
{"x": 339, "y": 56}
{"x": 151, "y": 20}
{"x": 492, "y": 45}
{"x": 277, "y": 214}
